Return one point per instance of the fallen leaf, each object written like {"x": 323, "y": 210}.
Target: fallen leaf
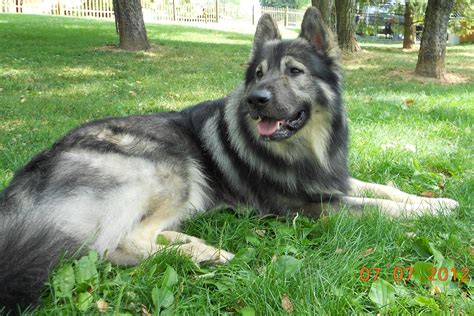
{"x": 286, "y": 304}
{"x": 435, "y": 290}
{"x": 367, "y": 252}
{"x": 260, "y": 232}
{"x": 262, "y": 270}
{"x": 427, "y": 194}
{"x": 409, "y": 102}
{"x": 324, "y": 219}
{"x": 102, "y": 306}
{"x": 145, "y": 311}
{"x": 22, "y": 99}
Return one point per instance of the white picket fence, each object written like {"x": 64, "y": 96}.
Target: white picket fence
{"x": 77, "y": 8}
{"x": 211, "y": 12}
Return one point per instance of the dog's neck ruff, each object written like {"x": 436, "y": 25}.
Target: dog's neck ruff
{"x": 286, "y": 167}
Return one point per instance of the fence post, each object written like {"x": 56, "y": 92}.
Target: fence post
{"x": 174, "y": 10}
{"x": 286, "y": 17}
{"x": 217, "y": 11}
{"x": 253, "y": 14}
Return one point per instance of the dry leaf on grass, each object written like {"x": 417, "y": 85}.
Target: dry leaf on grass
{"x": 367, "y": 252}
{"x": 145, "y": 311}
{"x": 428, "y": 194}
{"x": 435, "y": 290}
{"x": 286, "y": 304}
{"x": 102, "y": 306}
{"x": 260, "y": 232}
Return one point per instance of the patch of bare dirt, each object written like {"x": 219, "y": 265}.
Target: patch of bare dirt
{"x": 154, "y": 49}
{"x": 410, "y": 50}
{"x": 448, "y": 79}
{"x": 359, "y": 57}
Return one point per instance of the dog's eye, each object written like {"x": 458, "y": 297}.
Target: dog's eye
{"x": 259, "y": 73}
{"x": 296, "y": 71}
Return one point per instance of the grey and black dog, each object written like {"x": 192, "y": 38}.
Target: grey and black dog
{"x": 278, "y": 144}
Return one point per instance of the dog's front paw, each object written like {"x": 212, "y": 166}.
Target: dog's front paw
{"x": 440, "y": 205}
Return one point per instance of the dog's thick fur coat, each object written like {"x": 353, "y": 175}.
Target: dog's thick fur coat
{"x": 278, "y": 144}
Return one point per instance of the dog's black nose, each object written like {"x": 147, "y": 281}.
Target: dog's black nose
{"x": 259, "y": 98}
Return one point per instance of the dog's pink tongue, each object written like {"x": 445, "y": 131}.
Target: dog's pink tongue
{"x": 267, "y": 127}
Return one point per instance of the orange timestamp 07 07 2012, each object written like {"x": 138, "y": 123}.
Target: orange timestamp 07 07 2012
{"x": 406, "y": 274}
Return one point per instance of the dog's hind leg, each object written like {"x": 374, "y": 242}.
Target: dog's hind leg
{"x": 141, "y": 242}
{"x": 197, "y": 248}
{"x": 394, "y": 201}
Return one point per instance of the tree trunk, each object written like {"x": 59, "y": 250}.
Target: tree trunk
{"x": 328, "y": 12}
{"x": 345, "y": 12}
{"x": 129, "y": 24}
{"x": 408, "y": 39}
{"x": 433, "y": 41}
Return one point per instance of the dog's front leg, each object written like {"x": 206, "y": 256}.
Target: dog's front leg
{"x": 393, "y": 201}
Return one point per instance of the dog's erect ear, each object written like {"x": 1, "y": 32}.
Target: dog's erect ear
{"x": 317, "y": 33}
{"x": 267, "y": 30}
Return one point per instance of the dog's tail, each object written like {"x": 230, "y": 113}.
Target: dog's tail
{"x": 29, "y": 249}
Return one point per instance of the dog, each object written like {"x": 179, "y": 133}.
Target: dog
{"x": 278, "y": 144}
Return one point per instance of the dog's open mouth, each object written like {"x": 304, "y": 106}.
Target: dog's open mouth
{"x": 275, "y": 129}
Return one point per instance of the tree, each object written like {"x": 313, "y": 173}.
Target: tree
{"x": 345, "y": 16}
{"x": 339, "y": 15}
{"x": 129, "y": 25}
{"x": 433, "y": 41}
{"x": 327, "y": 9}
{"x": 413, "y": 13}
{"x": 408, "y": 26}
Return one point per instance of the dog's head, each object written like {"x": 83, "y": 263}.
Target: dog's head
{"x": 289, "y": 82}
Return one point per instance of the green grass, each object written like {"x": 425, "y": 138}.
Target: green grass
{"x": 56, "y": 73}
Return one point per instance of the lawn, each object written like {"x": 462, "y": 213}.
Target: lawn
{"x": 56, "y": 73}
